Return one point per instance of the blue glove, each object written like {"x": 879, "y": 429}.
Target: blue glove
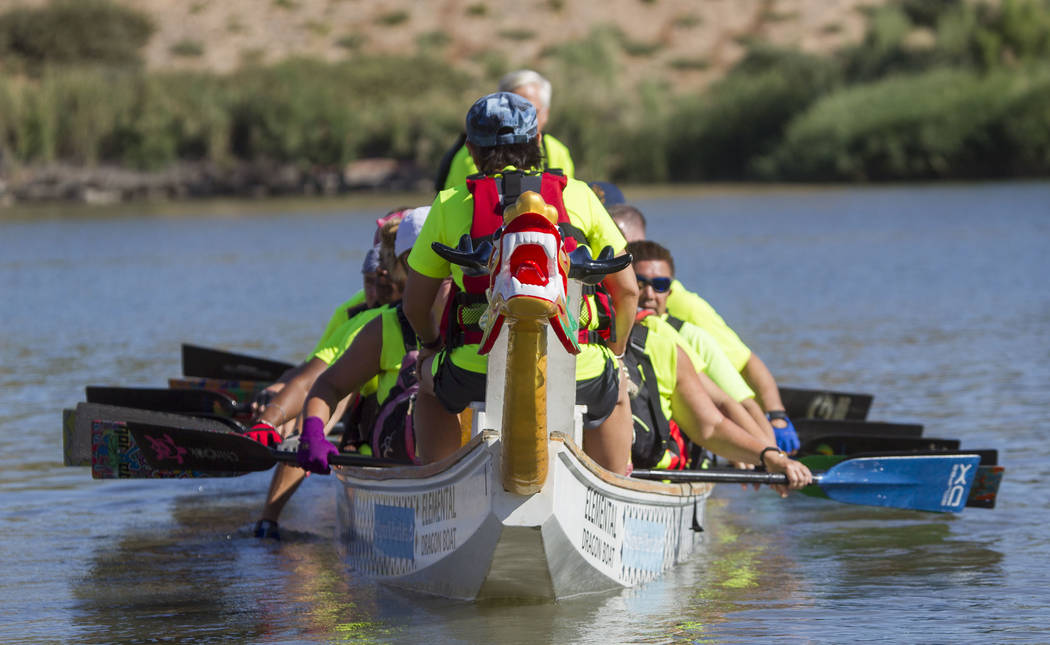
{"x": 787, "y": 438}
{"x": 314, "y": 449}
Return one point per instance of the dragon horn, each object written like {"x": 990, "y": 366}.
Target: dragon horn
{"x": 474, "y": 261}
{"x": 590, "y": 270}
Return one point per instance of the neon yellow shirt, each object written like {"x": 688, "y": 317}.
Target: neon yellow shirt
{"x": 391, "y": 354}
{"x": 341, "y": 338}
{"x": 555, "y": 155}
{"x": 691, "y": 308}
{"x": 661, "y": 346}
{"x": 451, "y": 216}
{"x": 338, "y": 318}
{"x": 709, "y": 358}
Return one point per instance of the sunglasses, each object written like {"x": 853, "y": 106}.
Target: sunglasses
{"x": 659, "y": 285}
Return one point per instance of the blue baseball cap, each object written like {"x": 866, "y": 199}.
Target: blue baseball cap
{"x": 500, "y": 119}
{"x": 607, "y": 193}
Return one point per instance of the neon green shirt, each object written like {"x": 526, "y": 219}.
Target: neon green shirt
{"x": 338, "y": 318}
{"x": 555, "y": 155}
{"x": 709, "y": 358}
{"x": 691, "y": 308}
{"x": 451, "y": 216}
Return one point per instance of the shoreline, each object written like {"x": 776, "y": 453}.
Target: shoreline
{"x": 186, "y": 189}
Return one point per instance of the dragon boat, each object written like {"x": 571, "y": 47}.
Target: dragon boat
{"x": 520, "y": 511}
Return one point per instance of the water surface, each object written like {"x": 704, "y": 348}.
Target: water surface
{"x": 932, "y": 298}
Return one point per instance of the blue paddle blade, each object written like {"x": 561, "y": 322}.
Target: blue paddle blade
{"x": 939, "y": 483}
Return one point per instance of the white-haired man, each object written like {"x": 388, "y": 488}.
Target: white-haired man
{"x": 457, "y": 164}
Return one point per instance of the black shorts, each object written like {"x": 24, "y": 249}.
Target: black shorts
{"x": 456, "y": 387}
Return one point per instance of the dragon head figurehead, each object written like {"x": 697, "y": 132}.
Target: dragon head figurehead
{"x": 528, "y": 273}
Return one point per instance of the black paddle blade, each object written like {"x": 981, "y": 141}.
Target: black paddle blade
{"x": 163, "y": 400}
{"x": 855, "y": 444}
{"x": 801, "y": 403}
{"x": 173, "y": 448}
{"x": 808, "y": 428}
{"x": 204, "y": 362}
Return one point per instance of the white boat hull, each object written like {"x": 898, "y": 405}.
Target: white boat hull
{"x": 451, "y": 530}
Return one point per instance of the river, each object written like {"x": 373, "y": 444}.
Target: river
{"x": 933, "y": 298}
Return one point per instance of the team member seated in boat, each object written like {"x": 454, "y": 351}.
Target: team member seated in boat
{"x": 690, "y": 307}
{"x": 681, "y": 397}
{"x": 654, "y": 270}
{"x": 283, "y": 409}
{"x": 502, "y": 136}
{"x": 374, "y": 292}
{"x": 385, "y": 350}
{"x": 278, "y": 419}
{"x": 458, "y": 164}
{"x": 608, "y": 194}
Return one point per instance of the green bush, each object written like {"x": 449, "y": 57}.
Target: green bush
{"x": 188, "y": 48}
{"x": 939, "y": 124}
{"x": 715, "y": 135}
{"x": 74, "y": 31}
{"x": 300, "y": 111}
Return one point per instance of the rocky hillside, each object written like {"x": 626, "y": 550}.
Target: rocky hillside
{"x": 688, "y": 41}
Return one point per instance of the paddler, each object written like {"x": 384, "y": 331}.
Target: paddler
{"x": 690, "y": 307}
{"x": 278, "y": 418}
{"x": 654, "y": 270}
{"x": 681, "y": 398}
{"x": 384, "y": 350}
{"x": 503, "y": 139}
{"x": 457, "y": 164}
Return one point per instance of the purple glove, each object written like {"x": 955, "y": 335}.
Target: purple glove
{"x": 314, "y": 449}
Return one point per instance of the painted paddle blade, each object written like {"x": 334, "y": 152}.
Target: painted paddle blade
{"x": 241, "y": 391}
{"x": 937, "y": 483}
{"x": 172, "y": 448}
{"x": 986, "y": 487}
{"x": 97, "y": 436}
{"x": 825, "y": 404}
{"x": 215, "y": 363}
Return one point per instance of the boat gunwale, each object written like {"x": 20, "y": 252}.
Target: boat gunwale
{"x": 488, "y": 436}
{"x": 690, "y": 489}
{"x": 417, "y": 472}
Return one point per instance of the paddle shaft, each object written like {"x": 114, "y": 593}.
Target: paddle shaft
{"x": 718, "y": 476}
{"x": 341, "y": 459}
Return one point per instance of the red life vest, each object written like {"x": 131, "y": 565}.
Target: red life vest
{"x": 491, "y": 196}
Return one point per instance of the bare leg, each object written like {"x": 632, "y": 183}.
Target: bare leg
{"x": 438, "y": 432}
{"x": 610, "y": 443}
{"x": 286, "y": 478}
{"x": 285, "y": 482}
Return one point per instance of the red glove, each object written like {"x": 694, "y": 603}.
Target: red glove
{"x": 264, "y": 433}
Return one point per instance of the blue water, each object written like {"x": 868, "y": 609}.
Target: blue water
{"x": 932, "y": 298}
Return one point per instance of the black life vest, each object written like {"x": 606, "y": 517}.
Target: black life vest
{"x": 677, "y": 323}
{"x": 658, "y": 442}
{"x": 492, "y": 195}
